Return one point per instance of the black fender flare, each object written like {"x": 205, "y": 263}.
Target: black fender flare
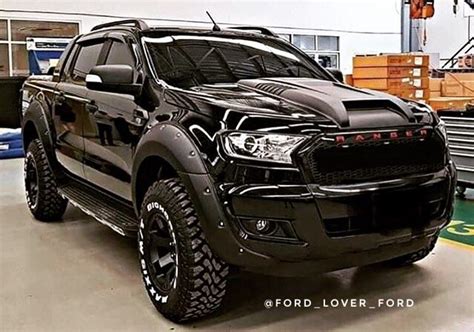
{"x": 172, "y": 144}
{"x": 38, "y": 114}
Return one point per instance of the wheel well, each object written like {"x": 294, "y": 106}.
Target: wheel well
{"x": 29, "y": 134}
{"x": 151, "y": 169}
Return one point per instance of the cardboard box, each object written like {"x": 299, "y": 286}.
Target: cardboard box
{"x": 453, "y": 89}
{"x": 435, "y": 84}
{"x": 450, "y": 103}
{"x": 468, "y": 88}
{"x": 435, "y": 94}
{"x": 457, "y": 89}
{"x": 415, "y": 94}
{"x": 349, "y": 80}
{"x": 456, "y": 77}
{"x": 390, "y": 72}
{"x": 392, "y": 60}
{"x": 392, "y": 83}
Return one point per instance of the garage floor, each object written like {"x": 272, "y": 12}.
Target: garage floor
{"x": 79, "y": 275}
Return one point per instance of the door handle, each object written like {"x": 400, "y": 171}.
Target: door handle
{"x": 92, "y": 108}
{"x": 140, "y": 116}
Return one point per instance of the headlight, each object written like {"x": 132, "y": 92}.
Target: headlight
{"x": 266, "y": 147}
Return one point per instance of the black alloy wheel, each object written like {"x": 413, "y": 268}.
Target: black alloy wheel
{"x": 31, "y": 181}
{"x": 162, "y": 254}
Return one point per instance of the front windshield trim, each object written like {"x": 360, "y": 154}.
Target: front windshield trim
{"x": 315, "y": 68}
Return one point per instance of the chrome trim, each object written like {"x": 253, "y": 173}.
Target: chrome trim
{"x": 465, "y": 169}
{"x": 458, "y": 125}
{"x": 462, "y": 147}
{"x": 457, "y": 154}
{"x": 456, "y": 118}
{"x": 466, "y": 133}
{"x": 460, "y": 140}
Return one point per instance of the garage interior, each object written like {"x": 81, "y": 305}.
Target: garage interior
{"x": 77, "y": 274}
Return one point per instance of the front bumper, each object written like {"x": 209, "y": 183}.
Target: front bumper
{"x": 322, "y": 219}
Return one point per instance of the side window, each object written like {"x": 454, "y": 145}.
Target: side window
{"x": 86, "y": 59}
{"x": 120, "y": 54}
{"x": 67, "y": 65}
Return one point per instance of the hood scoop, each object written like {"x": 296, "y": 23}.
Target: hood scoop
{"x": 326, "y": 98}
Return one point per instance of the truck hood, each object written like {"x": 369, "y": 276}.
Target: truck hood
{"x": 338, "y": 102}
{"x": 345, "y": 106}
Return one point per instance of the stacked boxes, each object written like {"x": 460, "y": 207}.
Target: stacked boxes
{"x": 403, "y": 75}
{"x": 453, "y": 92}
{"x": 450, "y": 103}
{"x": 435, "y": 87}
{"x": 458, "y": 85}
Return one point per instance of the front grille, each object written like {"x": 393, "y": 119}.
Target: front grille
{"x": 383, "y": 212}
{"x": 328, "y": 163}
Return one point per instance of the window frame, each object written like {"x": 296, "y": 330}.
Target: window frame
{"x": 106, "y": 39}
{"x": 6, "y": 29}
{"x": 10, "y": 42}
{"x": 111, "y": 41}
{"x": 338, "y": 39}
{"x": 161, "y": 82}
{"x": 72, "y": 64}
{"x": 316, "y": 52}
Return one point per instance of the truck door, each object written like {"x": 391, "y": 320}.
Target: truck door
{"x": 111, "y": 130}
{"x": 70, "y": 106}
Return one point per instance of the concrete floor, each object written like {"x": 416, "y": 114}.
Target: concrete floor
{"x": 78, "y": 275}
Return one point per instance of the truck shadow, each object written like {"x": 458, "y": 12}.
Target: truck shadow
{"x": 244, "y": 305}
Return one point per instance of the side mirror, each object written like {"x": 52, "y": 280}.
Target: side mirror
{"x": 336, "y": 73}
{"x": 113, "y": 78}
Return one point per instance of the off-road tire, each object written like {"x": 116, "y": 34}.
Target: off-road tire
{"x": 46, "y": 205}
{"x": 200, "y": 281}
{"x": 415, "y": 256}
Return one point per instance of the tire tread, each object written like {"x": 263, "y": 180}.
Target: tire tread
{"x": 51, "y": 206}
{"x": 204, "y": 273}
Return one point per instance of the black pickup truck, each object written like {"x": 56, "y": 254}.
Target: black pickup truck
{"x": 221, "y": 148}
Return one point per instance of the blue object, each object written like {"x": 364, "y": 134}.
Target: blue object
{"x": 34, "y": 58}
{"x": 13, "y": 153}
{"x": 10, "y": 136}
{"x": 11, "y": 145}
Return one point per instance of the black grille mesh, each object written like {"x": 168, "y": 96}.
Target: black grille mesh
{"x": 330, "y": 164}
{"x": 383, "y": 212}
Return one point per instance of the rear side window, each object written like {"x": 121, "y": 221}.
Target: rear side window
{"x": 120, "y": 54}
{"x": 86, "y": 59}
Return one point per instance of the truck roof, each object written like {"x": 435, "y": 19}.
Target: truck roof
{"x": 136, "y": 24}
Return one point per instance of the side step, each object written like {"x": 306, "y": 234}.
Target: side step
{"x": 107, "y": 210}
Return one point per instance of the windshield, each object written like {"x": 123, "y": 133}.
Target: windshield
{"x": 185, "y": 61}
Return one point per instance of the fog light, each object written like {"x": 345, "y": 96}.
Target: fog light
{"x": 268, "y": 228}
{"x": 262, "y": 225}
